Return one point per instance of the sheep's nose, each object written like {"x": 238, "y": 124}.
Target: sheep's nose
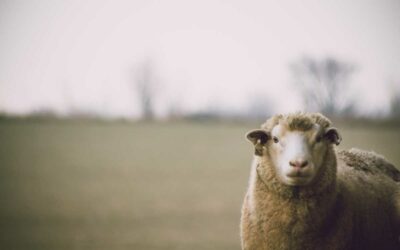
{"x": 298, "y": 163}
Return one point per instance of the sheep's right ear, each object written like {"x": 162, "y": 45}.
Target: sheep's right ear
{"x": 333, "y": 136}
{"x": 259, "y": 138}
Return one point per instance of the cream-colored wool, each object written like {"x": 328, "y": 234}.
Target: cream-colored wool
{"x": 352, "y": 202}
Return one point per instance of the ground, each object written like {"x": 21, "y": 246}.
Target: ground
{"x": 95, "y": 185}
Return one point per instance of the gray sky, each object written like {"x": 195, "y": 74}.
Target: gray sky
{"x": 83, "y": 54}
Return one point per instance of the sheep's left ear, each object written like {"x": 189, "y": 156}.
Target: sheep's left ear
{"x": 259, "y": 138}
{"x": 333, "y": 135}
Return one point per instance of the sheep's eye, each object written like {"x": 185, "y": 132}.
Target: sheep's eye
{"x": 276, "y": 140}
{"x": 318, "y": 139}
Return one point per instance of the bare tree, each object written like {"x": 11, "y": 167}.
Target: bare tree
{"x": 395, "y": 102}
{"x": 395, "y": 107}
{"x": 146, "y": 88}
{"x": 323, "y": 84}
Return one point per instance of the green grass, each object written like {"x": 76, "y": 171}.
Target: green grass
{"x": 87, "y": 185}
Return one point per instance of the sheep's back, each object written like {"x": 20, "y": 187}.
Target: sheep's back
{"x": 368, "y": 183}
{"x": 369, "y": 163}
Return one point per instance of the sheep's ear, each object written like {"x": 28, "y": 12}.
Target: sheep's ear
{"x": 333, "y": 136}
{"x": 259, "y": 138}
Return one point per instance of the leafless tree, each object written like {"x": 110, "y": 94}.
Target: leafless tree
{"x": 323, "y": 84}
{"x": 146, "y": 86}
{"x": 395, "y": 102}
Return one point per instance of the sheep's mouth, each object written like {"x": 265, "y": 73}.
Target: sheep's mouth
{"x": 297, "y": 174}
{"x": 297, "y": 178}
{"x": 297, "y": 181}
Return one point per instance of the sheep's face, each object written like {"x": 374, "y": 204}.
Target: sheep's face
{"x": 295, "y": 155}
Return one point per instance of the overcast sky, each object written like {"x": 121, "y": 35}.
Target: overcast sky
{"x": 83, "y": 54}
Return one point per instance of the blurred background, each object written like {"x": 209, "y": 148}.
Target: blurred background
{"x": 122, "y": 122}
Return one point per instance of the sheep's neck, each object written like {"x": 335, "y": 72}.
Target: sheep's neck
{"x": 294, "y": 214}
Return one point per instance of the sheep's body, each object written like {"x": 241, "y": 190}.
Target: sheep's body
{"x": 351, "y": 206}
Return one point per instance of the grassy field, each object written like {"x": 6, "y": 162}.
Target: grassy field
{"x": 88, "y": 185}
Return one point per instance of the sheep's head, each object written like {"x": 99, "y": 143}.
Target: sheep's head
{"x": 295, "y": 147}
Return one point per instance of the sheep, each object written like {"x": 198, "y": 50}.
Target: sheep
{"x": 304, "y": 195}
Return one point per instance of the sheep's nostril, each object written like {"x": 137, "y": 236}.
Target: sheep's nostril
{"x": 298, "y": 164}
